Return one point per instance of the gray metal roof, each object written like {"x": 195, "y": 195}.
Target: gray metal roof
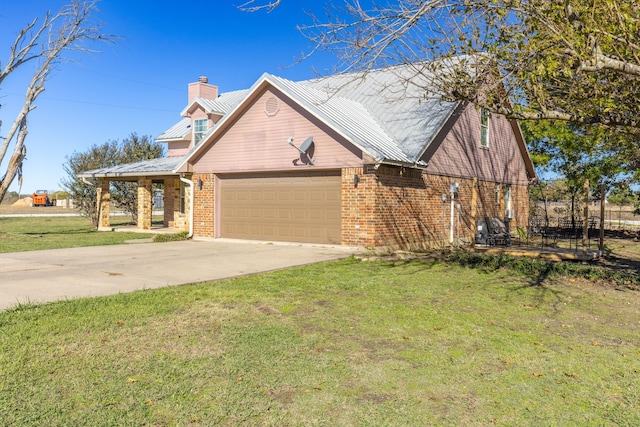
{"x": 396, "y": 99}
{"x": 178, "y": 131}
{"x": 157, "y": 167}
{"x": 386, "y": 113}
{"x": 221, "y": 105}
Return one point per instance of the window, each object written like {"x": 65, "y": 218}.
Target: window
{"x": 484, "y": 127}
{"x": 199, "y": 129}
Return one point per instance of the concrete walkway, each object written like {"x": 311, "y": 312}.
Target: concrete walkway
{"x": 50, "y": 275}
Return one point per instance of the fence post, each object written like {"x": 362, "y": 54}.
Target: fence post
{"x": 601, "y": 242}
{"x": 585, "y": 217}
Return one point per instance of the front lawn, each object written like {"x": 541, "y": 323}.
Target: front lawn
{"x": 348, "y": 343}
{"x": 19, "y": 234}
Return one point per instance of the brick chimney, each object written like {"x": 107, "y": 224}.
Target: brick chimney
{"x": 202, "y": 89}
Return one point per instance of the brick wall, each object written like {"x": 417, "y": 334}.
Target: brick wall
{"x": 358, "y": 208}
{"x": 204, "y": 205}
{"x": 411, "y": 212}
{"x": 394, "y": 207}
{"x": 403, "y": 208}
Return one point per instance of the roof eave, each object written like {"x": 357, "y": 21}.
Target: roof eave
{"x": 197, "y": 102}
{"x": 528, "y": 163}
{"x": 442, "y": 126}
{"x": 126, "y": 174}
{"x": 328, "y": 122}
{"x": 413, "y": 165}
{"x": 182, "y": 138}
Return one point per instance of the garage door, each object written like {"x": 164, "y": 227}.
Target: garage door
{"x": 293, "y": 207}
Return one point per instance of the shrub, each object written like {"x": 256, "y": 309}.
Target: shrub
{"x": 175, "y": 237}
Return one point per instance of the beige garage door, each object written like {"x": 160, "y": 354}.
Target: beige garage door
{"x": 292, "y": 208}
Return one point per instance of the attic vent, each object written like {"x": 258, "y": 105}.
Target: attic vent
{"x": 271, "y": 106}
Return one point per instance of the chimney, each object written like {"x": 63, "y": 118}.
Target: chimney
{"x": 202, "y": 89}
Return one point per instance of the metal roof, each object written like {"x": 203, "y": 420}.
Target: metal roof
{"x": 396, "y": 99}
{"x": 161, "y": 166}
{"x": 178, "y": 131}
{"x": 221, "y": 105}
{"x": 384, "y": 112}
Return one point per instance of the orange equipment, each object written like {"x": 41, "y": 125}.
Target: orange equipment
{"x": 41, "y": 198}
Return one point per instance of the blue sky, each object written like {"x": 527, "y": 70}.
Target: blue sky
{"x": 139, "y": 83}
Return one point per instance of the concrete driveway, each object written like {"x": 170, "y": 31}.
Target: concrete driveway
{"x": 50, "y": 275}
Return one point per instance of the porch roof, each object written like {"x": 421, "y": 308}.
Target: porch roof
{"x": 154, "y": 167}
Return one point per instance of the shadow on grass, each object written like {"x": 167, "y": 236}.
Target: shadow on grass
{"x": 419, "y": 265}
{"x": 55, "y": 233}
{"x": 538, "y": 274}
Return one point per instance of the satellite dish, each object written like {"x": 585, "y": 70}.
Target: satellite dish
{"x": 306, "y": 149}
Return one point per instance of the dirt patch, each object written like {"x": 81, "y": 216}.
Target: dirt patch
{"x": 27, "y": 201}
{"x": 24, "y": 207}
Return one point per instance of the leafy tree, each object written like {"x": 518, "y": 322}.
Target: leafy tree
{"x": 578, "y": 153}
{"x": 83, "y": 193}
{"x": 42, "y": 44}
{"x": 123, "y": 194}
{"x": 133, "y": 149}
{"x": 623, "y": 195}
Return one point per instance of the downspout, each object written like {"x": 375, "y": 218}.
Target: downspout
{"x": 190, "y": 183}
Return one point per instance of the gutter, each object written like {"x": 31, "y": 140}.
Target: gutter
{"x": 401, "y": 164}
{"x": 191, "y": 185}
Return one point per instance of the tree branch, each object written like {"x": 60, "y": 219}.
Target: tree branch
{"x": 63, "y": 32}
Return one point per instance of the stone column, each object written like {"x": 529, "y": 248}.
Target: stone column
{"x": 145, "y": 204}
{"x": 169, "y": 202}
{"x": 104, "y": 204}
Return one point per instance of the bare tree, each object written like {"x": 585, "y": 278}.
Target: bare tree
{"x": 44, "y": 42}
{"x": 254, "y": 6}
{"x": 564, "y": 60}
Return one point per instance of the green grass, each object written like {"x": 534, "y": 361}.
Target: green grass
{"x": 51, "y": 232}
{"x": 340, "y": 344}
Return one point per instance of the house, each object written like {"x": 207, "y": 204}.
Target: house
{"x": 358, "y": 160}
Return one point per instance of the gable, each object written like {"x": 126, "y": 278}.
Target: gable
{"x": 256, "y": 140}
{"x": 457, "y": 150}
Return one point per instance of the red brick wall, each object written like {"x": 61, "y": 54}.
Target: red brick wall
{"x": 395, "y": 207}
{"x": 401, "y": 207}
{"x": 358, "y": 208}
{"x": 204, "y": 205}
{"x": 411, "y": 211}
